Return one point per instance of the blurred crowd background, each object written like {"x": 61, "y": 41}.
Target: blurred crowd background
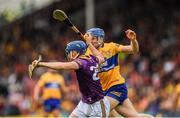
{"x": 153, "y": 75}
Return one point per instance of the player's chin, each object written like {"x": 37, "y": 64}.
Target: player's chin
{"x": 96, "y": 45}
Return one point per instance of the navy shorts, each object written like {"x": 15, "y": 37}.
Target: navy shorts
{"x": 51, "y": 104}
{"x": 118, "y": 92}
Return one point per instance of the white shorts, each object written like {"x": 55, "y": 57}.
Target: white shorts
{"x": 98, "y": 109}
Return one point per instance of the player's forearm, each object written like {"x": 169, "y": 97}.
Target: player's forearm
{"x": 96, "y": 53}
{"x": 52, "y": 65}
{"x": 60, "y": 65}
{"x": 135, "y": 46}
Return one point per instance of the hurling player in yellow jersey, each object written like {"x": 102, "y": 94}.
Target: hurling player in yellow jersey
{"x": 49, "y": 89}
{"x": 113, "y": 83}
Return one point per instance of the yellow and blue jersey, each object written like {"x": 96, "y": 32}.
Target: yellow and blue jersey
{"x": 51, "y": 83}
{"x": 109, "y": 71}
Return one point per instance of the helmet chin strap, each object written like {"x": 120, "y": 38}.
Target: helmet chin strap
{"x": 100, "y": 41}
{"x": 76, "y": 56}
{"x": 73, "y": 56}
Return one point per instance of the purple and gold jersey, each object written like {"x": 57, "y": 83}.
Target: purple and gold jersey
{"x": 88, "y": 80}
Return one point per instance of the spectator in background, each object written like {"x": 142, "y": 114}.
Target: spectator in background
{"x": 48, "y": 92}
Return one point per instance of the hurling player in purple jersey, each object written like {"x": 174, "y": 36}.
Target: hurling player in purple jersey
{"x": 93, "y": 102}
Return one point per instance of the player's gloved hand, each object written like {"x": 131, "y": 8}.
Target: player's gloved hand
{"x": 130, "y": 34}
{"x": 33, "y": 66}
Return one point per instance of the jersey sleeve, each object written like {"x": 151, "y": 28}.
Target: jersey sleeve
{"x": 81, "y": 62}
{"x": 41, "y": 81}
{"x": 61, "y": 80}
{"x": 117, "y": 47}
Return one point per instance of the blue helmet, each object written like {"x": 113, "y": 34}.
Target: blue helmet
{"x": 78, "y": 46}
{"x": 96, "y": 32}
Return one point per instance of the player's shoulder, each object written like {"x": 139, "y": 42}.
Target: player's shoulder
{"x": 84, "y": 57}
{"x": 87, "y": 58}
{"x": 109, "y": 45}
{"x": 59, "y": 78}
{"x": 58, "y": 74}
{"x": 45, "y": 75}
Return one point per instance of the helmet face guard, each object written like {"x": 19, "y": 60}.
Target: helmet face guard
{"x": 100, "y": 40}
{"x": 72, "y": 55}
{"x": 98, "y": 33}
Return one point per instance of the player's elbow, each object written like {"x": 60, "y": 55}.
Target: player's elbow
{"x": 135, "y": 50}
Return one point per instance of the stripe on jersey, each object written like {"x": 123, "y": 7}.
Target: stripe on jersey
{"x": 109, "y": 64}
{"x": 52, "y": 85}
